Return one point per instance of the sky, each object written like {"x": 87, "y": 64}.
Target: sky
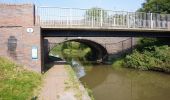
{"x": 116, "y": 5}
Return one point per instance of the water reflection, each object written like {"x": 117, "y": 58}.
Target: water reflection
{"x": 78, "y": 68}
{"x": 125, "y": 84}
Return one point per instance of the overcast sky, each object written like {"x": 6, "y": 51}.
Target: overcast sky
{"x": 118, "y": 5}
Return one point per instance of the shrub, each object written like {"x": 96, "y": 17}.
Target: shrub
{"x": 149, "y": 58}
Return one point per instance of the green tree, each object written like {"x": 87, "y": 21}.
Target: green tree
{"x": 156, "y": 6}
{"x": 96, "y": 14}
{"x": 71, "y": 49}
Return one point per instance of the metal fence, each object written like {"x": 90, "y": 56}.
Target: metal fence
{"x": 99, "y": 18}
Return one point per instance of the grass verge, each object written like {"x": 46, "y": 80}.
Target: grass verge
{"x": 17, "y": 83}
{"x": 74, "y": 83}
{"x": 89, "y": 91}
{"x": 117, "y": 63}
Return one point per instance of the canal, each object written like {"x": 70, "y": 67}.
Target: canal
{"x": 108, "y": 83}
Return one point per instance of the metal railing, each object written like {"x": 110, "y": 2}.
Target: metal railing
{"x": 56, "y": 17}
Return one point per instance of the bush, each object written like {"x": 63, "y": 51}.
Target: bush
{"x": 149, "y": 58}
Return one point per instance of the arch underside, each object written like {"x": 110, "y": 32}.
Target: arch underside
{"x": 98, "y": 50}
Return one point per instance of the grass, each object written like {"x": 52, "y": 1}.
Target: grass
{"x": 118, "y": 62}
{"x": 73, "y": 83}
{"x": 17, "y": 83}
{"x": 89, "y": 91}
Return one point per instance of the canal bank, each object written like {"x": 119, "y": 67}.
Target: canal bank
{"x": 58, "y": 85}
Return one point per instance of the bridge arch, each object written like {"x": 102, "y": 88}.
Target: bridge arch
{"x": 99, "y": 52}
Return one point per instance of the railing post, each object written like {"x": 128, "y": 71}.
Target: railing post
{"x": 151, "y": 20}
{"x": 134, "y": 16}
{"x": 114, "y": 23}
{"x": 67, "y": 18}
{"x": 168, "y": 21}
{"x": 101, "y": 16}
{"x": 128, "y": 20}
{"x": 70, "y": 15}
{"x": 92, "y": 21}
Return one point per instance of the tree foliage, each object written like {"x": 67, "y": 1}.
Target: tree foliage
{"x": 69, "y": 50}
{"x": 151, "y": 54}
{"x": 156, "y": 6}
{"x": 96, "y": 14}
{"x": 152, "y": 57}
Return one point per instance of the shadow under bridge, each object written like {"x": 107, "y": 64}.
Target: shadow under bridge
{"x": 99, "y": 52}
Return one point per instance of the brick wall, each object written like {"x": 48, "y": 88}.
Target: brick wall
{"x": 14, "y": 21}
{"x": 25, "y": 42}
{"x": 112, "y": 44}
{"x": 17, "y": 15}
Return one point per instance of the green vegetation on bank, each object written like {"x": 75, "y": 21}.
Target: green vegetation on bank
{"x": 72, "y": 50}
{"x": 149, "y": 55}
{"x": 151, "y": 58}
{"x": 118, "y": 62}
{"x": 74, "y": 83}
{"x": 17, "y": 83}
{"x": 89, "y": 91}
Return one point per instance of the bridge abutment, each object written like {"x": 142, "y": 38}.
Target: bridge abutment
{"x": 17, "y": 44}
{"x": 19, "y": 35}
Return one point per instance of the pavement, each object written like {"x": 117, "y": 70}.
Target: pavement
{"x": 53, "y": 87}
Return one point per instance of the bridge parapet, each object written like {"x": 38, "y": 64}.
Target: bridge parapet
{"x": 55, "y": 17}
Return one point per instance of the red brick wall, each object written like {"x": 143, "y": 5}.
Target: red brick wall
{"x": 25, "y": 42}
{"x": 14, "y": 21}
{"x": 30, "y": 40}
{"x": 17, "y": 15}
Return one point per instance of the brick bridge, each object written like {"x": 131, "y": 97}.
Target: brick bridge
{"x": 103, "y": 48}
{"x": 24, "y": 30}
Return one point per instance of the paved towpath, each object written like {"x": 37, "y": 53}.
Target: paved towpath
{"x": 54, "y": 86}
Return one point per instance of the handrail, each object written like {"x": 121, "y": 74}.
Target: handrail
{"x": 57, "y": 17}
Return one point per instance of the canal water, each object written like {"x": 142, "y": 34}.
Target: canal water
{"x": 108, "y": 83}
